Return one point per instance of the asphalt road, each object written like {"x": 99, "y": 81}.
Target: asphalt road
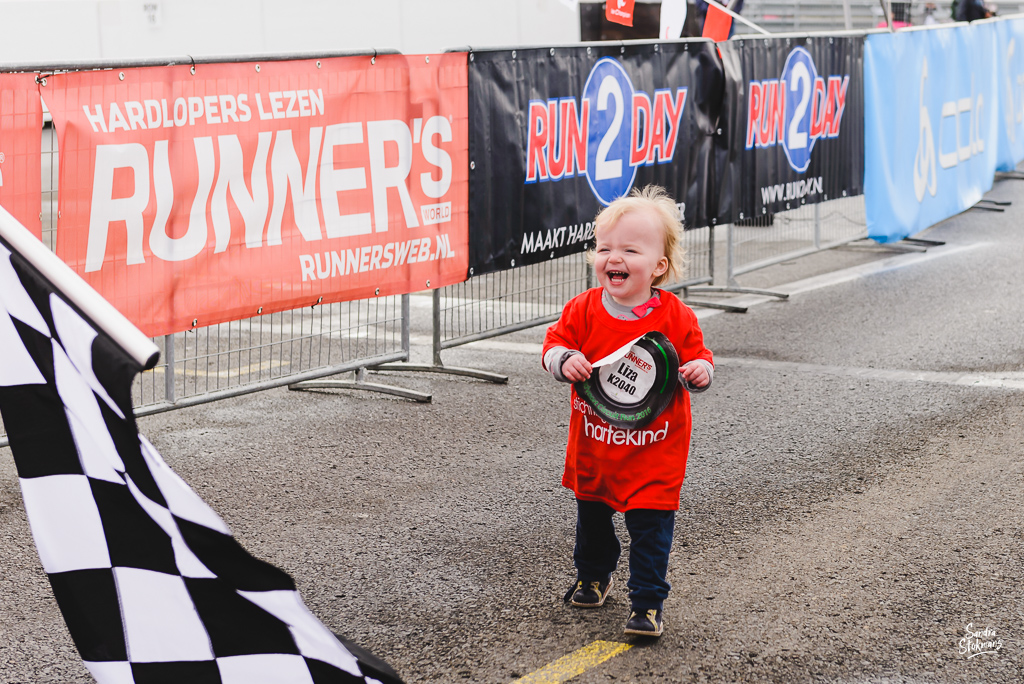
{"x": 853, "y": 500}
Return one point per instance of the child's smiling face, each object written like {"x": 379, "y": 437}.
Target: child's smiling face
{"x": 629, "y": 255}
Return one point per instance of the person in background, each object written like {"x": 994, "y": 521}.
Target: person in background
{"x": 972, "y": 10}
{"x": 900, "y": 15}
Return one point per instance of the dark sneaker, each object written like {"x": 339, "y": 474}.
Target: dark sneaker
{"x": 646, "y": 623}
{"x": 589, "y": 594}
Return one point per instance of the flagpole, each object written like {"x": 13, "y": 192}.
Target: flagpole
{"x": 887, "y": 11}
{"x": 736, "y": 16}
{"x": 78, "y": 292}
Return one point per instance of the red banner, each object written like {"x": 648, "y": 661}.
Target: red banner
{"x": 193, "y": 199}
{"x": 619, "y": 11}
{"x": 21, "y": 127}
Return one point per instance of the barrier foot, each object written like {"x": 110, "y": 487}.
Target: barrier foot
{"x": 360, "y": 384}
{"x": 737, "y": 290}
{"x": 445, "y": 370}
{"x": 998, "y": 203}
{"x": 1009, "y": 175}
{"x": 731, "y": 308}
{"x": 979, "y": 205}
{"x": 904, "y": 245}
{"x": 924, "y": 243}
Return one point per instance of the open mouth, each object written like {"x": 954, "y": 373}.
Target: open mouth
{"x": 617, "y": 277}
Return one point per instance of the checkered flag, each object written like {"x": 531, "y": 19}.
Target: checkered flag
{"x": 151, "y": 583}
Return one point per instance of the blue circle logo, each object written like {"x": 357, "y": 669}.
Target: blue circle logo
{"x": 610, "y": 93}
{"x": 799, "y": 76}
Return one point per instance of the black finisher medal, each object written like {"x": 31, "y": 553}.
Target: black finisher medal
{"x": 632, "y": 386}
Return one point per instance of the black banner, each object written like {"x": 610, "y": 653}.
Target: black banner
{"x": 557, "y": 133}
{"x": 792, "y": 124}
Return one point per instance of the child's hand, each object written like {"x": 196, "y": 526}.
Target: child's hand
{"x": 695, "y": 373}
{"x": 576, "y": 368}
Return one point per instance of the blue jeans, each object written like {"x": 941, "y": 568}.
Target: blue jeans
{"x": 597, "y": 550}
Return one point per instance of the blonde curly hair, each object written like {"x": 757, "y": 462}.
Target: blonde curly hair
{"x": 655, "y": 200}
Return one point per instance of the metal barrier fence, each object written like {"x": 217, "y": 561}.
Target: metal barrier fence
{"x": 506, "y": 301}
{"x": 783, "y": 16}
{"x": 765, "y": 241}
{"x": 297, "y": 347}
{"x": 272, "y": 350}
{"x": 292, "y": 348}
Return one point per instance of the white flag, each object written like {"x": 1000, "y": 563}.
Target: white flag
{"x": 673, "y": 16}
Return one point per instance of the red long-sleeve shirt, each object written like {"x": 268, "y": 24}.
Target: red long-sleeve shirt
{"x": 627, "y": 469}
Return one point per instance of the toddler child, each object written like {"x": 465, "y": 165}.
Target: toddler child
{"x": 638, "y": 247}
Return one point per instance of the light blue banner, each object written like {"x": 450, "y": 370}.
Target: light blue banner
{"x": 931, "y": 125}
{"x": 1010, "y": 64}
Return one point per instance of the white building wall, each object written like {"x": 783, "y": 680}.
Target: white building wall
{"x": 54, "y": 30}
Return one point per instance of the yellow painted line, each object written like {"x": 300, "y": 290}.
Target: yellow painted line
{"x": 574, "y": 664}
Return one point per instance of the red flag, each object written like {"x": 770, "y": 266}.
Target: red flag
{"x": 619, "y": 11}
{"x": 716, "y": 24}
